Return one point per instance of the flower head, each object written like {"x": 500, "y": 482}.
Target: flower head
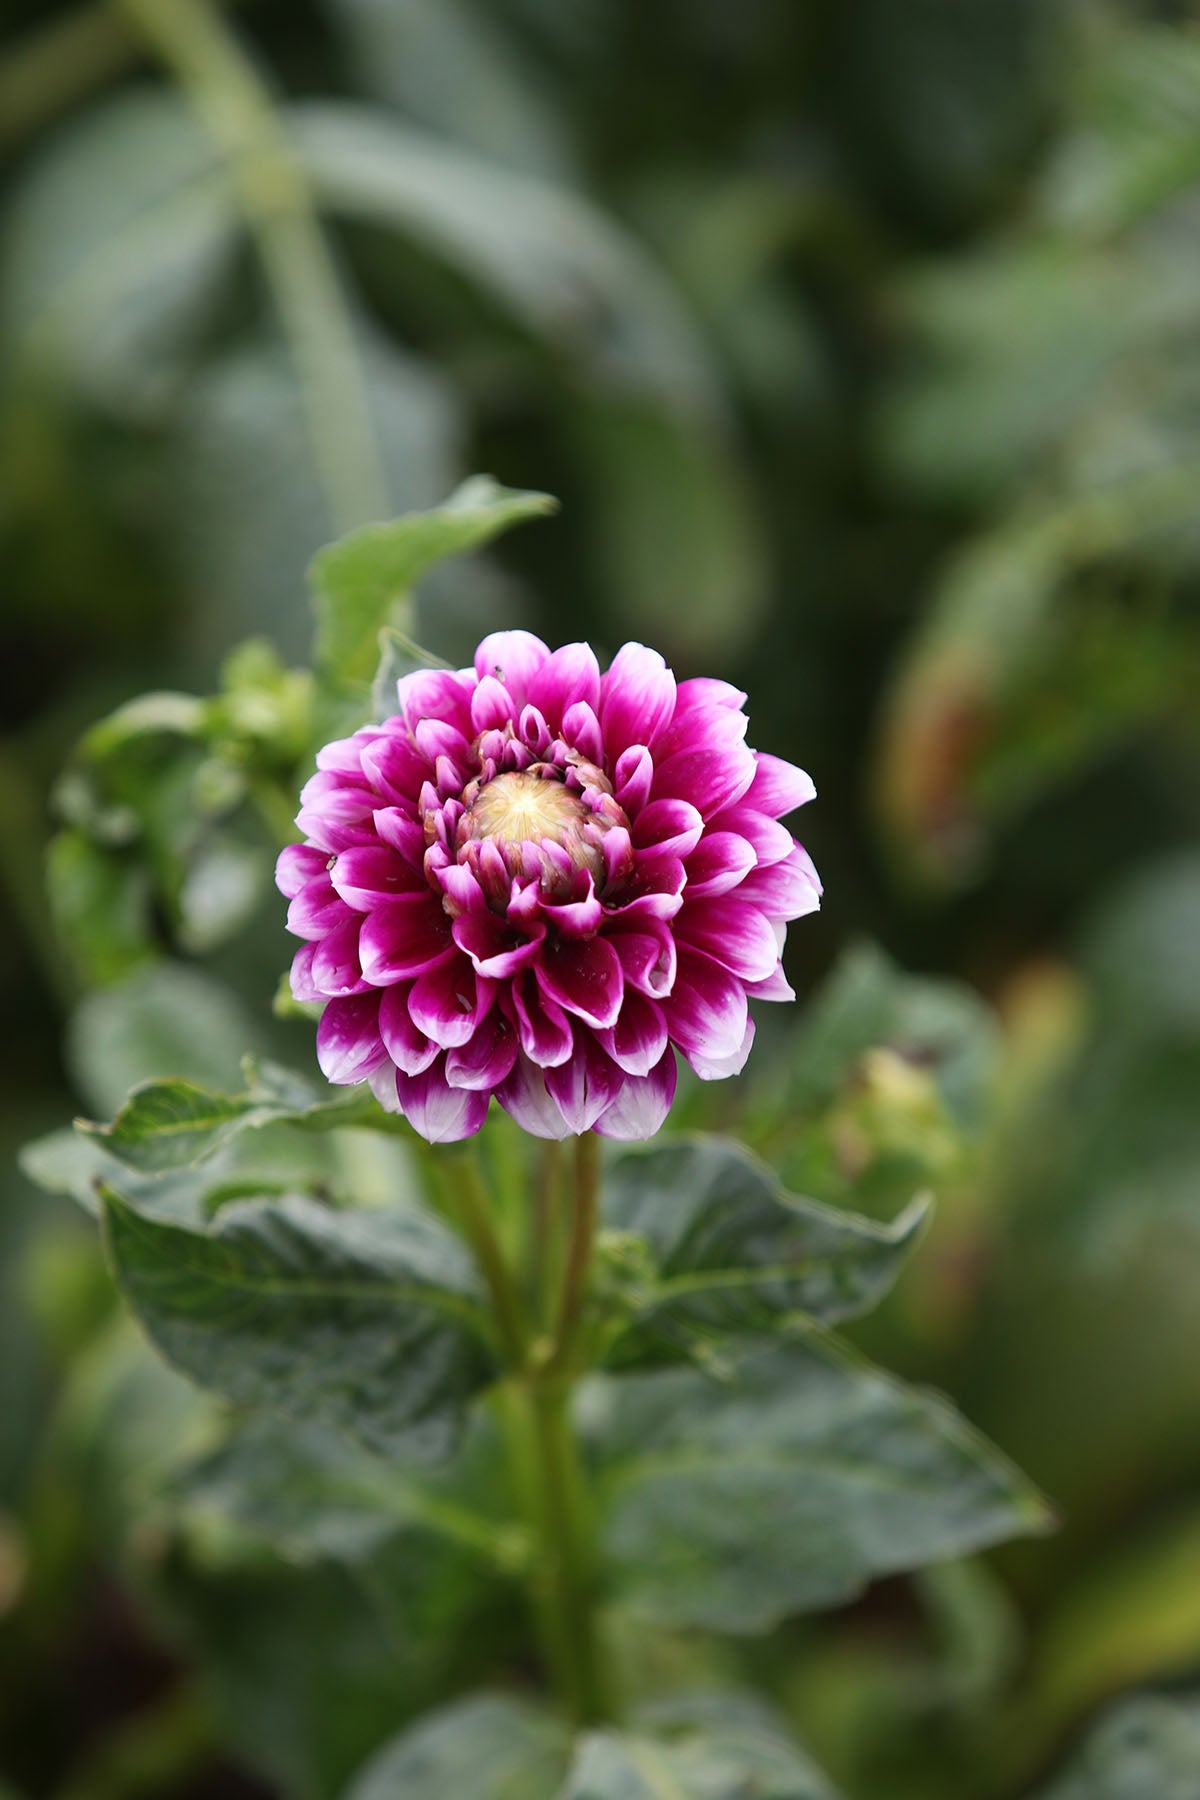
{"x": 540, "y": 882}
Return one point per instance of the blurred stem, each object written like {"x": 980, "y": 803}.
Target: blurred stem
{"x": 579, "y": 1246}
{"x": 230, "y": 97}
{"x": 475, "y": 1213}
{"x": 547, "y": 1226}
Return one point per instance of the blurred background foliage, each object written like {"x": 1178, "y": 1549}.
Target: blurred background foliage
{"x": 860, "y": 343}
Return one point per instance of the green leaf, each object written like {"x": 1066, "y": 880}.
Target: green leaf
{"x": 487, "y": 1747}
{"x": 735, "y": 1254}
{"x": 715, "y": 1751}
{"x": 362, "y": 583}
{"x": 788, "y": 1486}
{"x": 1145, "y": 1749}
{"x": 369, "y": 1322}
{"x": 172, "y": 1124}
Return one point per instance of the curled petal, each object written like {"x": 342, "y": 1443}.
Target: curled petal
{"x": 633, "y": 778}
{"x": 396, "y": 770}
{"x": 719, "y": 862}
{"x": 297, "y": 864}
{"x": 443, "y": 694}
{"x": 581, "y": 730}
{"x": 368, "y": 874}
{"x": 570, "y": 676}
{"x": 317, "y": 909}
{"x": 543, "y": 1028}
{"x": 335, "y": 968}
{"x": 706, "y": 1010}
{"x": 733, "y": 933}
{"x": 648, "y": 958}
{"x": 405, "y": 1042}
{"x": 513, "y": 657}
{"x": 450, "y": 1003}
{"x": 304, "y": 988}
{"x": 639, "y": 1037}
{"x": 709, "y": 779}
{"x": 637, "y": 698}
{"x": 642, "y": 1103}
{"x": 584, "y": 978}
{"x": 526, "y": 1098}
{"x": 585, "y": 1085}
{"x": 771, "y": 841}
{"x": 397, "y": 828}
{"x": 787, "y": 890}
{"x": 486, "y": 1059}
{"x": 495, "y": 950}
{"x": 779, "y": 787}
{"x": 349, "y": 1047}
{"x": 403, "y": 938}
{"x": 441, "y": 1113}
{"x": 492, "y": 706}
{"x": 672, "y": 827}
{"x": 719, "y": 1068}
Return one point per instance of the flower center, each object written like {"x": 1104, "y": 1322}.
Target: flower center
{"x": 546, "y": 823}
{"x": 519, "y": 807}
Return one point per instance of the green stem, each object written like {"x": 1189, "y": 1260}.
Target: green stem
{"x": 579, "y": 1246}
{"x": 547, "y": 1226}
{"x": 566, "y": 1575}
{"x": 474, "y": 1211}
{"x": 228, "y": 95}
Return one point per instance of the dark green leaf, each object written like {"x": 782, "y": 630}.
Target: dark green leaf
{"x": 735, "y": 1254}
{"x": 368, "y": 1321}
{"x": 788, "y": 1486}
{"x": 488, "y": 1748}
{"x": 1146, "y": 1749}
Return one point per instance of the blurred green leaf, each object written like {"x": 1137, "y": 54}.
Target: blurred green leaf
{"x": 733, "y": 1253}
{"x": 709, "y": 1750}
{"x": 731, "y": 1504}
{"x": 1145, "y": 1749}
{"x": 362, "y": 583}
{"x": 367, "y": 1321}
{"x": 491, "y": 1748}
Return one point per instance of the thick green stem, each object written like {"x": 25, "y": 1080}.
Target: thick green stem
{"x": 228, "y": 94}
{"x": 566, "y": 1574}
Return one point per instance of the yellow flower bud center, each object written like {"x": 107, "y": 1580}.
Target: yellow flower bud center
{"x": 517, "y": 807}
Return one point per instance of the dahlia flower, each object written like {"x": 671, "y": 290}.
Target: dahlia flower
{"x": 539, "y": 882}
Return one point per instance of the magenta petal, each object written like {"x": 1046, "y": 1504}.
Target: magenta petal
{"x": 585, "y": 977}
{"x": 733, "y": 933}
{"x": 449, "y": 1003}
{"x": 317, "y": 909}
{"x": 719, "y": 862}
{"x": 440, "y": 1113}
{"x": 492, "y": 706}
{"x": 525, "y": 1097}
{"x": 367, "y": 875}
{"x": 775, "y": 987}
{"x": 399, "y": 828}
{"x": 779, "y": 787}
{"x": 647, "y": 958}
{"x": 771, "y": 841}
{"x": 719, "y": 1068}
{"x": 581, "y": 730}
{"x": 787, "y": 890}
{"x": 706, "y": 1011}
{"x": 543, "y": 1027}
{"x": 336, "y": 970}
{"x": 396, "y": 769}
{"x": 459, "y": 885}
{"x": 639, "y": 1037}
{"x": 297, "y": 864}
{"x": 569, "y": 676}
{"x": 673, "y": 827}
{"x": 403, "y": 938}
{"x": 443, "y": 694}
{"x": 304, "y": 988}
{"x": 642, "y": 1103}
{"x": 406, "y": 1044}
{"x": 633, "y": 778}
{"x": 710, "y": 778}
{"x": 382, "y": 1082}
{"x": 349, "y": 1046}
{"x": 344, "y": 755}
{"x": 513, "y": 657}
{"x": 585, "y": 1085}
{"x": 494, "y": 950}
{"x": 575, "y": 918}
{"x": 637, "y": 698}
{"x": 487, "y": 1059}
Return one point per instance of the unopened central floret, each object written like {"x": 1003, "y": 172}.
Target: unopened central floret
{"x": 521, "y": 806}
{"x": 546, "y": 823}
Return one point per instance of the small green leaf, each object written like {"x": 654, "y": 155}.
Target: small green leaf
{"x": 362, "y": 583}
{"x": 1144, "y": 1749}
{"x": 487, "y": 1747}
{"x": 734, "y": 1253}
{"x": 713, "y": 1753}
{"x": 369, "y": 1322}
{"x": 787, "y": 1487}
